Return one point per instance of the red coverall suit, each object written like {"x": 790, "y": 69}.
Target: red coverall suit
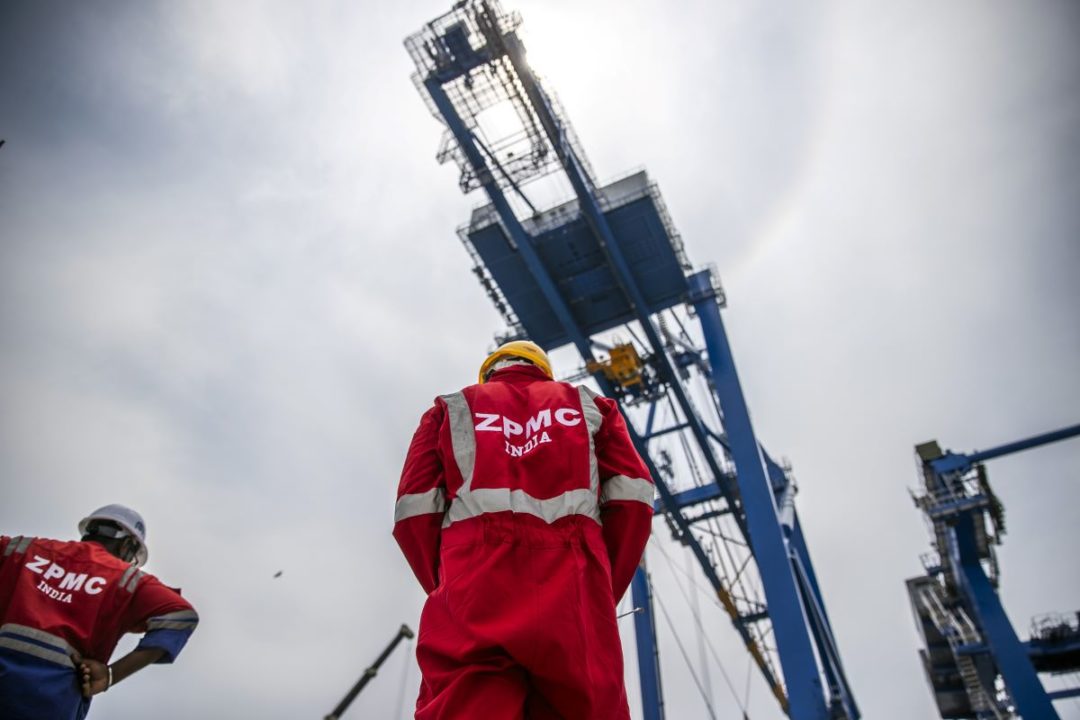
{"x": 524, "y": 510}
{"x": 61, "y": 600}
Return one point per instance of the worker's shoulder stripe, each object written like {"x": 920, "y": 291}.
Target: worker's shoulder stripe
{"x": 589, "y": 408}
{"x": 621, "y": 487}
{"x": 17, "y": 545}
{"x": 593, "y": 419}
{"x": 462, "y": 436}
{"x": 130, "y": 587}
{"x": 131, "y": 578}
{"x": 588, "y": 390}
{"x": 131, "y": 570}
{"x": 425, "y": 503}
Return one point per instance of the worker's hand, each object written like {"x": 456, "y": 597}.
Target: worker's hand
{"x": 94, "y": 677}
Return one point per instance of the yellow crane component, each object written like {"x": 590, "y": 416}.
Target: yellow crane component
{"x": 623, "y": 366}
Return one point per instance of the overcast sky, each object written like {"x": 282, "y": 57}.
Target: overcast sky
{"x": 230, "y": 285}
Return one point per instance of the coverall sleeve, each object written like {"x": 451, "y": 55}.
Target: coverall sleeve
{"x": 626, "y": 496}
{"x": 164, "y": 615}
{"x": 421, "y": 500}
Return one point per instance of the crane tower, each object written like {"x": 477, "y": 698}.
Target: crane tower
{"x": 976, "y": 664}
{"x": 606, "y": 272}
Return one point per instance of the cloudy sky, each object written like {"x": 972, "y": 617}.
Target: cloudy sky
{"x": 230, "y": 284}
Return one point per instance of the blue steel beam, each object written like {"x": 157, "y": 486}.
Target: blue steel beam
{"x": 1026, "y": 444}
{"x": 667, "y": 499}
{"x": 813, "y": 603}
{"x": 666, "y": 431}
{"x": 790, "y": 624}
{"x": 652, "y": 694}
{"x": 693, "y": 496}
{"x": 709, "y": 515}
{"x": 1010, "y": 655}
{"x": 650, "y": 419}
{"x": 828, "y": 652}
{"x": 956, "y": 462}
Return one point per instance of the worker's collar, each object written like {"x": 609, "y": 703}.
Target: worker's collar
{"x": 515, "y": 372}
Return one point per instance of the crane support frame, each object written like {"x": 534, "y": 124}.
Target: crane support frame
{"x": 970, "y": 643}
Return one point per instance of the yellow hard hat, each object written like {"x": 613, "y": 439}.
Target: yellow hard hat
{"x": 524, "y": 349}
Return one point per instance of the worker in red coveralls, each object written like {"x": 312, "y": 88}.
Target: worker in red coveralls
{"x": 65, "y": 604}
{"x": 524, "y": 510}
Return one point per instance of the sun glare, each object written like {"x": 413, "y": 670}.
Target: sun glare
{"x": 560, "y": 50}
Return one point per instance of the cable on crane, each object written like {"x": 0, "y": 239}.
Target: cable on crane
{"x": 706, "y": 591}
{"x": 686, "y": 658}
{"x": 749, "y": 670}
{"x": 701, "y": 630}
{"x": 703, "y": 658}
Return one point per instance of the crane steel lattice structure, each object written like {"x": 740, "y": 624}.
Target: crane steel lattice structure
{"x": 609, "y": 264}
{"x": 976, "y": 664}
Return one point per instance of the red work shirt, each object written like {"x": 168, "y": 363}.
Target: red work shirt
{"x": 62, "y": 596}
{"x": 523, "y": 443}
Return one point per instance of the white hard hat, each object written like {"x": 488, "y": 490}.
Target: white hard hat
{"x": 126, "y": 518}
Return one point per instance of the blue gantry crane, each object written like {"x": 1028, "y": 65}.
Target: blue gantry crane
{"x": 976, "y": 664}
{"x": 606, "y": 272}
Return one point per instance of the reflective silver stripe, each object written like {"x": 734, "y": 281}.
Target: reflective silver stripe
{"x": 17, "y": 545}
{"x": 169, "y": 625}
{"x": 621, "y": 487}
{"x": 493, "y": 500}
{"x": 130, "y": 587}
{"x": 178, "y": 615}
{"x": 425, "y": 503}
{"x": 593, "y": 419}
{"x": 462, "y": 437}
{"x": 36, "y": 650}
{"x": 471, "y": 503}
{"x": 127, "y": 575}
{"x": 12, "y": 542}
{"x": 41, "y": 636}
{"x": 179, "y": 620}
